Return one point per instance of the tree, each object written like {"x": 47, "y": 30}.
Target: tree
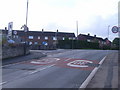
{"x": 116, "y": 41}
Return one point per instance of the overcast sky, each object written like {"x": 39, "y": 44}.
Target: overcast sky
{"x": 93, "y": 16}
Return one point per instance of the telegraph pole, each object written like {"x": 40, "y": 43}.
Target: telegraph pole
{"x": 108, "y": 31}
{"x": 26, "y": 29}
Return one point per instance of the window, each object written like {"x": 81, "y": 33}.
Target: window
{"x": 70, "y": 38}
{"x": 13, "y": 36}
{"x": 30, "y": 37}
{"x": 63, "y": 38}
{"x": 38, "y": 37}
{"x": 104, "y": 42}
{"x": 73, "y": 38}
{"x": 35, "y": 42}
{"x": 54, "y": 38}
{"x": 46, "y": 38}
{"x": 88, "y": 40}
{"x": 16, "y": 36}
{"x": 30, "y": 43}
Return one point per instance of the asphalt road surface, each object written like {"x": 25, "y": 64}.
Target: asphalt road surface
{"x": 60, "y": 69}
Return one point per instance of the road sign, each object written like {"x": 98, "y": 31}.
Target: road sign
{"x": 15, "y": 32}
{"x": 10, "y": 26}
{"x": 115, "y": 29}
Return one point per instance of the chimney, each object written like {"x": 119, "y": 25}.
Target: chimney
{"x": 57, "y": 30}
{"x": 42, "y": 30}
{"x": 94, "y": 35}
{"x": 88, "y": 34}
{"x": 5, "y": 28}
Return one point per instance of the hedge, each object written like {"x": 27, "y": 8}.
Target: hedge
{"x": 77, "y": 44}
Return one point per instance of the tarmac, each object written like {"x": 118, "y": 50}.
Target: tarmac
{"x": 107, "y": 74}
{"x": 105, "y": 77}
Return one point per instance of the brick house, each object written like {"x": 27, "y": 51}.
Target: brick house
{"x": 42, "y": 39}
{"x": 89, "y": 38}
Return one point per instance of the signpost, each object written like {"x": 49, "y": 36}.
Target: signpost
{"x": 115, "y": 29}
{"x": 15, "y": 32}
{"x": 10, "y": 26}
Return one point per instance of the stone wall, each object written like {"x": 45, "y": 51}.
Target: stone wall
{"x": 13, "y": 51}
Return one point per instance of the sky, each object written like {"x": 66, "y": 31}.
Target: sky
{"x": 93, "y": 16}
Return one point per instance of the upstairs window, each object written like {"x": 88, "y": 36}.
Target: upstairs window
{"x": 70, "y": 38}
{"x": 46, "y": 38}
{"x": 73, "y": 38}
{"x": 88, "y": 40}
{"x": 54, "y": 38}
{"x": 30, "y": 37}
{"x": 38, "y": 37}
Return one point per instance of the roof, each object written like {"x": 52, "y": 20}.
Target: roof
{"x": 91, "y": 37}
{"x": 45, "y": 33}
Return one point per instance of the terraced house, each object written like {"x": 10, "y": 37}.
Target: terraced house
{"x": 41, "y": 39}
{"x": 94, "y": 38}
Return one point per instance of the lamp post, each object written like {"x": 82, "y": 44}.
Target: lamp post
{"x": 27, "y": 13}
{"x": 25, "y": 27}
{"x": 56, "y": 39}
{"x": 77, "y": 28}
{"x": 108, "y": 31}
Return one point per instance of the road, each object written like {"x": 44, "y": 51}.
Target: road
{"x": 60, "y": 69}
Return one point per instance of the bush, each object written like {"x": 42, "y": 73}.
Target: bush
{"x": 77, "y": 44}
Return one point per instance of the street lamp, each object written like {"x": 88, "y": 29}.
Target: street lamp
{"x": 56, "y": 39}
{"x": 77, "y": 28}
{"x": 26, "y": 29}
{"x": 108, "y": 31}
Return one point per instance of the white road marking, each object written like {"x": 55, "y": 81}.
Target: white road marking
{"x": 40, "y": 69}
{"x": 102, "y": 60}
{"x": 68, "y": 59}
{"x": 79, "y": 63}
{"x": 85, "y": 83}
{"x": 3, "y": 83}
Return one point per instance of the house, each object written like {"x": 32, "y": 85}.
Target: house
{"x": 94, "y": 38}
{"x": 41, "y": 39}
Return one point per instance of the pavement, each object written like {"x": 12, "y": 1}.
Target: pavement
{"x": 107, "y": 74}
{"x": 33, "y": 55}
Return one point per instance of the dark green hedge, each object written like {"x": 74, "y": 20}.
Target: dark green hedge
{"x": 77, "y": 44}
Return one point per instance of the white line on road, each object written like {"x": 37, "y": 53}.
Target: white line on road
{"x": 85, "y": 83}
{"x": 40, "y": 69}
{"x": 68, "y": 59}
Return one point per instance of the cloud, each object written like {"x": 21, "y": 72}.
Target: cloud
{"x": 99, "y": 26}
{"x": 92, "y": 15}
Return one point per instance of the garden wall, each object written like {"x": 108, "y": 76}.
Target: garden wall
{"x": 13, "y": 51}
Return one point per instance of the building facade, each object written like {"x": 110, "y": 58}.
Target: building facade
{"x": 40, "y": 39}
{"x": 102, "y": 42}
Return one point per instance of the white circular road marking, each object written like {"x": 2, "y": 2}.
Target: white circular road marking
{"x": 79, "y": 63}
